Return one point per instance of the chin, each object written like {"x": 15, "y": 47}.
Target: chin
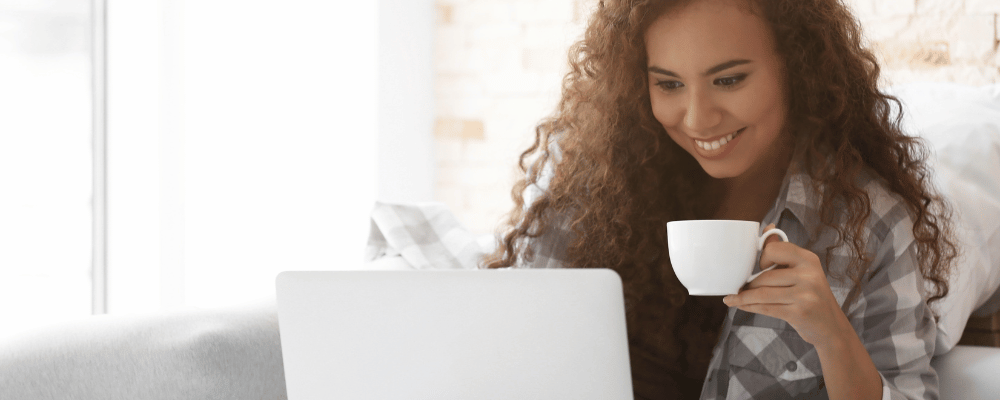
{"x": 721, "y": 171}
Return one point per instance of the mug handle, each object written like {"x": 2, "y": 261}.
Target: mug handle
{"x": 760, "y": 246}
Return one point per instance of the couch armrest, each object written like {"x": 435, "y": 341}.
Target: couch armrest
{"x": 218, "y": 354}
{"x": 969, "y": 372}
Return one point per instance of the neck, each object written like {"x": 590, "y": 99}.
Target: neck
{"x": 749, "y": 196}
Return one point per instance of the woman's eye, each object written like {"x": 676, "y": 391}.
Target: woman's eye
{"x": 730, "y": 81}
{"x": 669, "y": 85}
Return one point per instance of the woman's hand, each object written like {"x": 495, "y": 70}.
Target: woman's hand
{"x": 798, "y": 294}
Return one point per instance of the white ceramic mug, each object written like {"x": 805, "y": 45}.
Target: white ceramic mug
{"x": 716, "y": 257}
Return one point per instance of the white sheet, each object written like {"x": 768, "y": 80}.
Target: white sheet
{"x": 962, "y": 126}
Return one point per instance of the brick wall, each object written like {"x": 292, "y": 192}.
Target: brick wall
{"x": 499, "y": 64}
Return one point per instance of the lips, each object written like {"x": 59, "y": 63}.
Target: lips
{"x": 718, "y": 143}
{"x": 718, "y": 148}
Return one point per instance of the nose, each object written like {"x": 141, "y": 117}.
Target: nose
{"x": 702, "y": 113}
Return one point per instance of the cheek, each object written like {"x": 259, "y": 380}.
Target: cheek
{"x": 665, "y": 115}
{"x": 667, "y": 118}
{"x": 765, "y": 107}
{"x": 663, "y": 111}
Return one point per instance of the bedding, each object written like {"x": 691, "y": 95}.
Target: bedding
{"x": 424, "y": 235}
{"x": 961, "y": 125}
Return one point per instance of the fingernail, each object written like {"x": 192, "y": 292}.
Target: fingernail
{"x": 727, "y": 299}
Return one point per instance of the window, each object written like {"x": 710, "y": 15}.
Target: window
{"x": 242, "y": 139}
{"x": 45, "y": 161}
{"x": 241, "y": 142}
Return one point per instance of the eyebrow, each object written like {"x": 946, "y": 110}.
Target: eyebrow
{"x": 718, "y": 68}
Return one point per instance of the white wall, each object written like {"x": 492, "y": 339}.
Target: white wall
{"x": 406, "y": 100}
{"x": 498, "y": 68}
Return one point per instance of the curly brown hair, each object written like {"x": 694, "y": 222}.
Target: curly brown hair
{"x": 620, "y": 178}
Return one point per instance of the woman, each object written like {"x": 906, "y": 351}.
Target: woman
{"x": 759, "y": 110}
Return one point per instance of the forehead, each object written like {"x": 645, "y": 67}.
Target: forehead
{"x": 708, "y": 32}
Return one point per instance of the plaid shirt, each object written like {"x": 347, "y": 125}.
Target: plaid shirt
{"x": 764, "y": 358}
{"x": 756, "y": 356}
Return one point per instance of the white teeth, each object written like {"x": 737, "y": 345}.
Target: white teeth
{"x": 718, "y": 143}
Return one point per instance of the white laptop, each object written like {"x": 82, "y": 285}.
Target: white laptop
{"x": 472, "y": 334}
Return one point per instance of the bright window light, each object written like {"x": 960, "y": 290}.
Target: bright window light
{"x": 45, "y": 163}
{"x": 242, "y": 142}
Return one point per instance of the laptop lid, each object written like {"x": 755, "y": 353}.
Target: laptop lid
{"x": 472, "y": 334}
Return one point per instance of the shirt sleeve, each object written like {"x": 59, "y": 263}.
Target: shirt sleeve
{"x": 896, "y": 325}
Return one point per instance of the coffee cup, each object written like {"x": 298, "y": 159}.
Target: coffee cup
{"x": 716, "y": 257}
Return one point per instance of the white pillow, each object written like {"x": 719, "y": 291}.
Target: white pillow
{"x": 962, "y": 126}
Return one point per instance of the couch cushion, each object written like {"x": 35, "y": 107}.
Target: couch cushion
{"x": 220, "y": 354}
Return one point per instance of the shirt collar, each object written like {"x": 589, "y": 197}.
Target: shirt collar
{"x": 799, "y": 195}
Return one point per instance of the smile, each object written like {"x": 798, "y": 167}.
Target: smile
{"x": 715, "y": 145}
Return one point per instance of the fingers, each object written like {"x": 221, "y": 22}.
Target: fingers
{"x": 785, "y": 253}
{"x": 775, "y": 277}
{"x": 763, "y": 295}
{"x": 770, "y": 310}
{"x": 772, "y": 238}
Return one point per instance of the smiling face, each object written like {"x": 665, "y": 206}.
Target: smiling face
{"x": 716, "y": 85}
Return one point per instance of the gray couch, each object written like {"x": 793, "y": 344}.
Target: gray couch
{"x": 223, "y": 354}
{"x": 236, "y": 354}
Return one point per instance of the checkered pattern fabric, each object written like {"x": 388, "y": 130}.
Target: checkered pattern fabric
{"x": 426, "y": 236}
{"x": 763, "y": 357}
